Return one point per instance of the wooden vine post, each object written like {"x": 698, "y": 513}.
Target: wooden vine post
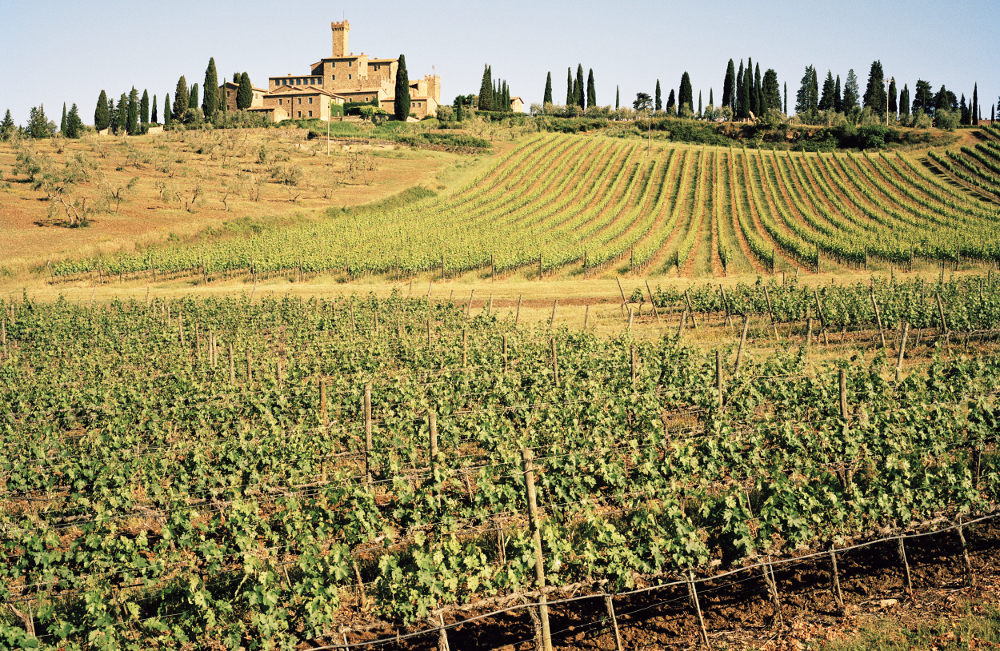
{"x": 555, "y": 364}
{"x": 770, "y": 310}
{"x": 323, "y": 419}
{"x": 743, "y": 341}
{"x": 718, "y": 375}
{"x": 725, "y": 304}
{"x": 843, "y": 394}
{"x": 536, "y": 535}
{"x": 610, "y": 606}
{"x": 697, "y": 607}
{"x": 878, "y": 319}
{"x": 680, "y": 327}
{"x": 368, "y": 432}
{"x": 586, "y": 317}
{"x": 835, "y": 578}
{"x": 906, "y": 567}
{"x": 902, "y": 349}
{"x": 652, "y": 303}
{"x": 517, "y": 315}
{"x": 552, "y": 319}
{"x": 687, "y": 298}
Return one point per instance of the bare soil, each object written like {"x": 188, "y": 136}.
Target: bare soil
{"x": 738, "y": 612}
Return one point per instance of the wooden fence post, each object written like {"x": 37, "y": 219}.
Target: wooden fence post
{"x": 552, "y": 319}
{"x": 543, "y": 610}
{"x": 843, "y": 394}
{"x": 610, "y": 606}
{"x": 902, "y": 349}
{"x": 697, "y": 607}
{"x": 651, "y": 302}
{"x": 517, "y": 315}
{"x": 687, "y": 298}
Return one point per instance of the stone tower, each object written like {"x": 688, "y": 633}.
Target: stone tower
{"x": 341, "y": 33}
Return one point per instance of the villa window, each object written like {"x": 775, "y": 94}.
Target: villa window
{"x": 310, "y": 113}
{"x": 350, "y": 76}
{"x": 333, "y": 78}
{"x": 310, "y": 100}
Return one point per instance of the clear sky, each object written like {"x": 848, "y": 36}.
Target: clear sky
{"x": 56, "y": 51}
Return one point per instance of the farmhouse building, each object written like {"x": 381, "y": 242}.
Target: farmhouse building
{"x": 347, "y": 77}
{"x": 227, "y": 93}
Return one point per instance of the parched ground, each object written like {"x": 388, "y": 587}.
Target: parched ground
{"x": 186, "y": 181}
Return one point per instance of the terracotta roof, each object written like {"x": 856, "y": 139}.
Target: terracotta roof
{"x": 301, "y": 90}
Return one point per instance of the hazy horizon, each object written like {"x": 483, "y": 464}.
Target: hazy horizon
{"x": 74, "y": 51}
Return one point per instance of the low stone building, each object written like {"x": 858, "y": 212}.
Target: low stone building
{"x": 227, "y": 96}
{"x": 302, "y": 102}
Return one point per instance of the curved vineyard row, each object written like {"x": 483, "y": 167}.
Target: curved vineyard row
{"x": 556, "y": 202}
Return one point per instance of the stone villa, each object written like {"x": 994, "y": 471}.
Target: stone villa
{"x": 342, "y": 77}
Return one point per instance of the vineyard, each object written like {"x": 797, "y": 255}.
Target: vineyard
{"x": 259, "y": 474}
{"x": 584, "y": 206}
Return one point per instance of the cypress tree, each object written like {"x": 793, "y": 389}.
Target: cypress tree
{"x": 570, "y": 94}
{"x": 132, "y": 117}
{"x": 753, "y": 83}
{"x": 73, "y": 123}
{"x": 838, "y": 104}
{"x": 671, "y": 103}
{"x": 975, "y": 103}
{"x": 770, "y": 91}
{"x": 744, "y": 103}
{"x": 965, "y": 115}
{"x": 211, "y": 104}
{"x": 815, "y": 89}
{"x": 102, "y": 118}
{"x": 119, "y": 117}
{"x": 728, "y": 86}
{"x": 244, "y": 94}
{"x": 711, "y": 98}
{"x": 180, "y": 99}
{"x": 547, "y": 98}
{"x": 193, "y": 99}
{"x": 657, "y": 103}
{"x": 144, "y": 108}
{"x": 166, "y": 110}
{"x": 460, "y": 110}
{"x": 617, "y": 96}
{"x": 826, "y": 102}
{"x": 904, "y": 101}
{"x": 401, "y": 104}
{"x": 685, "y": 94}
{"x": 153, "y": 115}
{"x": 786, "y": 98}
{"x": 893, "y": 106}
{"x": 699, "y": 104}
{"x": 738, "y": 93}
{"x": 62, "y": 124}
{"x": 875, "y": 90}
{"x": 486, "y": 91}
{"x": 591, "y": 90}
{"x": 580, "y": 98}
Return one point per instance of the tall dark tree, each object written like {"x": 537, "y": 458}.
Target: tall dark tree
{"x": 807, "y": 99}
{"x": 754, "y": 92}
{"x": 7, "y": 127}
{"x": 728, "y": 86}
{"x": 826, "y": 102}
{"x": 745, "y": 105}
{"x": 786, "y": 99}
{"x": 132, "y": 117}
{"x": 74, "y": 125}
{"x": 738, "y": 94}
{"x": 581, "y": 99}
{"x": 671, "y": 103}
{"x": 570, "y": 93}
{"x": 893, "y": 96}
{"x": 657, "y": 98}
{"x": 851, "y": 97}
{"x": 685, "y": 94}
{"x": 119, "y": 119}
{"x": 904, "y": 101}
{"x": 699, "y": 104}
{"x": 144, "y": 107}
{"x": 102, "y": 119}
{"x": 617, "y": 97}
{"x": 181, "y": 96}
{"x": 401, "y": 102}
{"x": 875, "y": 90}
{"x": 244, "y": 94}
{"x": 711, "y": 99}
{"x": 459, "y": 109}
{"x": 167, "y": 119}
{"x": 211, "y": 103}
{"x": 945, "y": 100}
{"x": 62, "y": 124}
{"x": 770, "y": 91}
{"x": 975, "y": 103}
{"x": 193, "y": 97}
{"x": 838, "y": 101}
{"x": 591, "y": 90}
{"x": 153, "y": 115}
{"x": 38, "y": 124}
{"x": 923, "y": 97}
{"x": 547, "y": 98}
{"x": 965, "y": 116}
{"x": 748, "y": 80}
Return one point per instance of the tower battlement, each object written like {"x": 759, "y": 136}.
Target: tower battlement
{"x": 341, "y": 35}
